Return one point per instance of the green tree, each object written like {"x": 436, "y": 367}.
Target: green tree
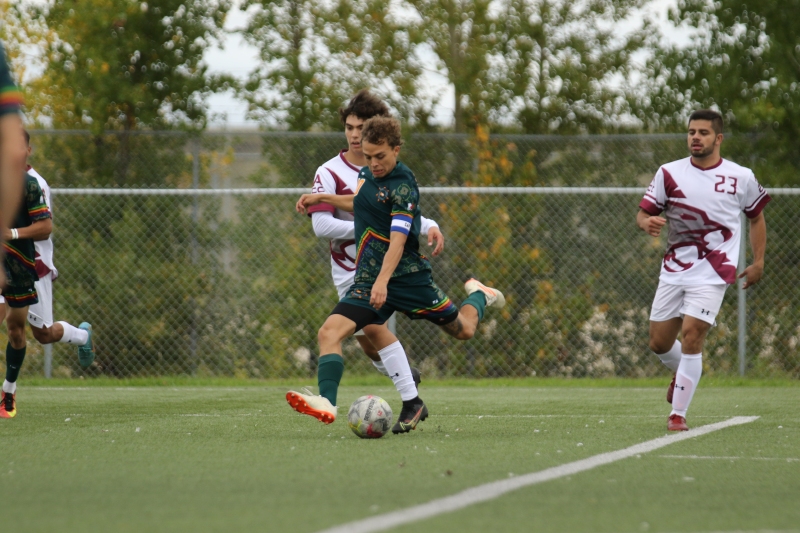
{"x": 314, "y": 56}
{"x": 461, "y": 34}
{"x": 126, "y": 65}
{"x": 20, "y": 29}
{"x": 565, "y": 65}
{"x": 744, "y": 59}
{"x": 549, "y": 66}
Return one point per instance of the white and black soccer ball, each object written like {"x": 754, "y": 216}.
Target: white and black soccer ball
{"x": 370, "y": 417}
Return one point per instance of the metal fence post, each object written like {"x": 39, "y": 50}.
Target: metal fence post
{"x": 742, "y": 296}
{"x": 195, "y": 221}
{"x": 48, "y": 361}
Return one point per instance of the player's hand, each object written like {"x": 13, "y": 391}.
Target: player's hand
{"x": 434, "y": 234}
{"x": 752, "y": 275}
{"x": 378, "y": 293}
{"x": 304, "y": 202}
{"x": 652, "y": 225}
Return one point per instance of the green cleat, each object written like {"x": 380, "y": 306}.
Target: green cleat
{"x": 86, "y": 352}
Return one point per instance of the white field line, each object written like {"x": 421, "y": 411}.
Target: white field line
{"x": 757, "y": 531}
{"x": 589, "y": 415}
{"x": 490, "y": 491}
{"x": 731, "y": 458}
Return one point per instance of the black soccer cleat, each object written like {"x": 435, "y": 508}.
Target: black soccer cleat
{"x": 412, "y": 413}
{"x": 415, "y": 375}
{"x": 417, "y": 380}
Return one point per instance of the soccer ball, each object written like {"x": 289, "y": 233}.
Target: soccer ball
{"x": 370, "y": 417}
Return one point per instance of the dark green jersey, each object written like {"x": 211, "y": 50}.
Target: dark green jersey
{"x": 383, "y": 205}
{"x": 20, "y": 253}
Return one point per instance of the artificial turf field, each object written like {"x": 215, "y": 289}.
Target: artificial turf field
{"x": 220, "y": 458}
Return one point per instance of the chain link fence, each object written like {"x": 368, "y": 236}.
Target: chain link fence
{"x": 186, "y": 255}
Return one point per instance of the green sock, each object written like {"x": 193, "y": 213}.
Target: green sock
{"x": 477, "y": 300}
{"x": 329, "y": 374}
{"x": 14, "y": 359}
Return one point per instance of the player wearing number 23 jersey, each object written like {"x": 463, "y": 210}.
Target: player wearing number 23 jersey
{"x": 702, "y": 207}
{"x": 702, "y": 198}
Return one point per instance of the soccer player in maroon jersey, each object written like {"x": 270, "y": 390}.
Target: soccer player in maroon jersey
{"x": 701, "y": 197}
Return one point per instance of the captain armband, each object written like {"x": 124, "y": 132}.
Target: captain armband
{"x": 402, "y": 223}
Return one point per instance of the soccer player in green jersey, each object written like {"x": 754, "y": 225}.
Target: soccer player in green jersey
{"x": 40, "y": 313}
{"x": 34, "y": 221}
{"x": 339, "y": 175}
{"x": 391, "y": 274}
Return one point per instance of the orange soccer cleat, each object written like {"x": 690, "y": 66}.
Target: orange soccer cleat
{"x": 312, "y": 405}
{"x": 8, "y": 405}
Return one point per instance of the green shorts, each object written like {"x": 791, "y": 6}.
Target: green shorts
{"x": 18, "y": 297}
{"x": 416, "y": 295}
{"x": 20, "y": 289}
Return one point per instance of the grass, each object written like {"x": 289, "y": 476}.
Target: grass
{"x": 164, "y": 457}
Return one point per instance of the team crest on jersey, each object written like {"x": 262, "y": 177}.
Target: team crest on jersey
{"x": 383, "y": 194}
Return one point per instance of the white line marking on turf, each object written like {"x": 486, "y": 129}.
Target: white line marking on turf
{"x": 582, "y": 416}
{"x": 490, "y": 491}
{"x": 731, "y": 457}
{"x": 758, "y": 531}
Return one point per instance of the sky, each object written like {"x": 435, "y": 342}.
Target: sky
{"x": 237, "y": 58}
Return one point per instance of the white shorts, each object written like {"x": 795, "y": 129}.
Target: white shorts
{"x": 699, "y": 301}
{"x": 41, "y": 314}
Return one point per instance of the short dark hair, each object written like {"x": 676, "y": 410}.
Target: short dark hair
{"x": 379, "y": 129}
{"x": 27, "y": 137}
{"x": 364, "y": 105}
{"x": 709, "y": 114}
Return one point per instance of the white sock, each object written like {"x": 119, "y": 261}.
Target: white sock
{"x": 396, "y": 362}
{"x": 688, "y": 376}
{"x": 73, "y": 335}
{"x": 381, "y": 368}
{"x": 9, "y": 387}
{"x": 673, "y": 357}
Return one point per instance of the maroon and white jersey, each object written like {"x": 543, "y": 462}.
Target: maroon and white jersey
{"x": 339, "y": 176}
{"x": 702, "y": 207}
{"x": 44, "y": 249}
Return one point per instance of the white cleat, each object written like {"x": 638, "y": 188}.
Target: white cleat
{"x": 312, "y": 405}
{"x": 494, "y": 298}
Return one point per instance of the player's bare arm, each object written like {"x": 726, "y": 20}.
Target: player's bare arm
{"x": 397, "y": 241}
{"x": 38, "y": 231}
{"x": 650, "y": 224}
{"x": 340, "y": 201}
{"x": 436, "y": 235}
{"x": 12, "y": 165}
{"x": 758, "y": 243}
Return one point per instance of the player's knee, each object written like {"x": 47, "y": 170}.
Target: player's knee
{"x": 16, "y": 335}
{"x": 660, "y": 346}
{"x": 693, "y": 334}
{"x": 42, "y": 335}
{"x": 467, "y": 332}
{"x": 328, "y": 334}
{"x": 693, "y": 341}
